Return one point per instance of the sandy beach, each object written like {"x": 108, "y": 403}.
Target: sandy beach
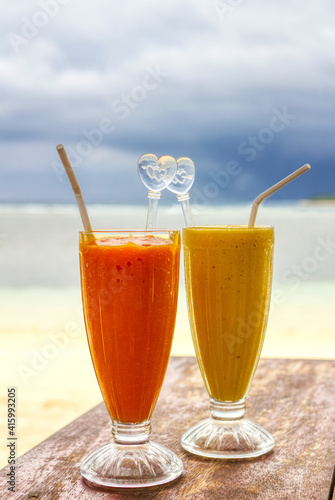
{"x": 45, "y": 356}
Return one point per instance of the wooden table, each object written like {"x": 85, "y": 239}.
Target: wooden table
{"x": 293, "y": 399}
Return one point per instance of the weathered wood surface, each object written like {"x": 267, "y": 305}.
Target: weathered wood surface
{"x": 293, "y": 399}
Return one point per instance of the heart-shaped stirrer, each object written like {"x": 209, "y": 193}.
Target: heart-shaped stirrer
{"x": 181, "y": 184}
{"x": 156, "y": 174}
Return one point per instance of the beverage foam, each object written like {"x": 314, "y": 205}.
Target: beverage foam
{"x": 143, "y": 241}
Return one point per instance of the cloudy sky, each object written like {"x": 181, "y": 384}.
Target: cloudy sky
{"x": 245, "y": 89}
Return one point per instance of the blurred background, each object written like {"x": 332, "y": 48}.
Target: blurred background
{"x": 244, "y": 89}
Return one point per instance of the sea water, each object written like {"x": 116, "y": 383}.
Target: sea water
{"x": 39, "y": 262}
{"x": 39, "y": 252}
{"x": 39, "y": 243}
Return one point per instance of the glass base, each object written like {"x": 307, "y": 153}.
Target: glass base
{"x": 132, "y": 461}
{"x": 227, "y": 434}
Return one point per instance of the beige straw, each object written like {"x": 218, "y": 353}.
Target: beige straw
{"x": 75, "y": 186}
{"x": 273, "y": 189}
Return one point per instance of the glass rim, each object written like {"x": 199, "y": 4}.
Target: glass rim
{"x": 228, "y": 226}
{"x": 127, "y": 231}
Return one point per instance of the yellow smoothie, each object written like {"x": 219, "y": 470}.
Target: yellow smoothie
{"x": 228, "y": 272}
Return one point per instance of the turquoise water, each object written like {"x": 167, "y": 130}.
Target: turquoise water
{"x": 39, "y": 243}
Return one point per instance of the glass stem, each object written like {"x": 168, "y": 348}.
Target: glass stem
{"x": 131, "y": 434}
{"x": 227, "y": 411}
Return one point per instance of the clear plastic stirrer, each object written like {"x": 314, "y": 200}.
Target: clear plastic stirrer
{"x": 181, "y": 184}
{"x": 156, "y": 174}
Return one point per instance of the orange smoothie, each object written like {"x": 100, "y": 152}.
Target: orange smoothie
{"x": 228, "y": 272}
{"x": 130, "y": 292}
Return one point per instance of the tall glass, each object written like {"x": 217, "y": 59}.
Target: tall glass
{"x": 129, "y": 285}
{"x": 228, "y": 272}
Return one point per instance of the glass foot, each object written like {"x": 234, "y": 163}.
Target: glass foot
{"x": 131, "y": 461}
{"x": 227, "y": 434}
{"x": 126, "y": 466}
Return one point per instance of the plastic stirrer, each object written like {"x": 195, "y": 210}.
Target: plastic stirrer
{"x": 181, "y": 184}
{"x": 156, "y": 174}
{"x": 75, "y": 186}
{"x": 273, "y": 189}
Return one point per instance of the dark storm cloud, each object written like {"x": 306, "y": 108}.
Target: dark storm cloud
{"x": 218, "y": 81}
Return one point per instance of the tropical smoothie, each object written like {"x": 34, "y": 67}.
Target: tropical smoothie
{"x": 130, "y": 292}
{"x": 228, "y": 272}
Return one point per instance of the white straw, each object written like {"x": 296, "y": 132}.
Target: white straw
{"x": 273, "y": 189}
{"x": 75, "y": 186}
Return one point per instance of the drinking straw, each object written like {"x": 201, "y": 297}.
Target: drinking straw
{"x": 75, "y": 186}
{"x": 273, "y": 189}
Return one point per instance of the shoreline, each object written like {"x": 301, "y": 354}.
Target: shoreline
{"x": 33, "y": 208}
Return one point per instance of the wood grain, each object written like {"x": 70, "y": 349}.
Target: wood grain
{"x": 293, "y": 399}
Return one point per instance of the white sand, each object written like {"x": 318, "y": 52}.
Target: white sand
{"x": 45, "y": 356}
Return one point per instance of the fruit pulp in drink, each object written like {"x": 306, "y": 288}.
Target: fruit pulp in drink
{"x": 130, "y": 292}
{"x": 228, "y": 272}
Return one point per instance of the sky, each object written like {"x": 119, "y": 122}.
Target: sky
{"x": 244, "y": 89}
